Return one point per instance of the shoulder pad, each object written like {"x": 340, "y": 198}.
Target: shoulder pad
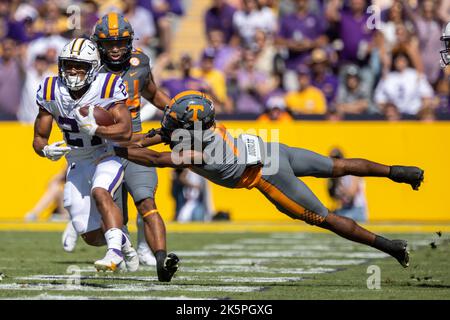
{"x": 139, "y": 59}
{"x": 109, "y": 84}
{"x": 48, "y": 91}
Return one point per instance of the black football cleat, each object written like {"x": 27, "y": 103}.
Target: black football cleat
{"x": 400, "y": 252}
{"x": 168, "y": 268}
{"x": 411, "y": 175}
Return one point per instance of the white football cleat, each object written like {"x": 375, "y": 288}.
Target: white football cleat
{"x": 131, "y": 258}
{"x": 69, "y": 238}
{"x": 113, "y": 261}
{"x": 146, "y": 257}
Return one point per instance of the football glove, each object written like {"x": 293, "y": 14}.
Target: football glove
{"x": 54, "y": 152}
{"x": 87, "y": 124}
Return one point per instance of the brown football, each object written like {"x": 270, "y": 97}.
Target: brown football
{"x": 101, "y": 115}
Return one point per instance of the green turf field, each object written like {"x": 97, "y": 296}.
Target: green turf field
{"x": 230, "y": 265}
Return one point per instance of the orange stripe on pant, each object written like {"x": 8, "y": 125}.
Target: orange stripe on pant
{"x": 289, "y": 205}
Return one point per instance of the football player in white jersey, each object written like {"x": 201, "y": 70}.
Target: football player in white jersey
{"x": 92, "y": 177}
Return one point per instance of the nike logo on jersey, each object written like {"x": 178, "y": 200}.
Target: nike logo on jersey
{"x": 132, "y": 74}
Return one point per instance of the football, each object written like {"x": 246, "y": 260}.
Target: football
{"x": 101, "y": 115}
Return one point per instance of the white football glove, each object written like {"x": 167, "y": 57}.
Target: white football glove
{"x": 87, "y": 124}
{"x": 54, "y": 152}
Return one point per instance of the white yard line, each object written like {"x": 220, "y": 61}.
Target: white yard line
{"x": 127, "y": 288}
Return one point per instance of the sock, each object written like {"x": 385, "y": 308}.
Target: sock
{"x": 113, "y": 238}
{"x": 383, "y": 244}
{"x": 160, "y": 256}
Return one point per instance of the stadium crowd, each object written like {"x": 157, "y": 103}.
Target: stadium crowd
{"x": 266, "y": 59}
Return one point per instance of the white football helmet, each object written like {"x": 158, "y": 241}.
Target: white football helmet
{"x": 83, "y": 51}
{"x": 445, "y": 53}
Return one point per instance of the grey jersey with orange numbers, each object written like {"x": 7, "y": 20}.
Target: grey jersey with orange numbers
{"x": 135, "y": 78}
{"x": 223, "y": 163}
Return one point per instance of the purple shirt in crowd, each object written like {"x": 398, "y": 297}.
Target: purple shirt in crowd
{"x": 295, "y": 28}
{"x": 175, "y": 7}
{"x": 329, "y": 86}
{"x": 10, "y": 87}
{"x": 177, "y": 85}
{"x": 220, "y": 19}
{"x": 354, "y": 33}
{"x": 250, "y": 102}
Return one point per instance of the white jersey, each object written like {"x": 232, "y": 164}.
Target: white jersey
{"x": 54, "y": 97}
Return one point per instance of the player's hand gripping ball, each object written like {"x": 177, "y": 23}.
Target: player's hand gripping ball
{"x": 90, "y": 117}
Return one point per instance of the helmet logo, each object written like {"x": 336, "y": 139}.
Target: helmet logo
{"x": 196, "y": 108}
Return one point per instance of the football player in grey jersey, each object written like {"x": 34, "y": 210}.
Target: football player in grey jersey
{"x": 205, "y": 147}
{"x": 113, "y": 35}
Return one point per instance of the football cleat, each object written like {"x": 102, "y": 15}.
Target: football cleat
{"x": 168, "y": 268}
{"x": 401, "y": 253}
{"x": 131, "y": 258}
{"x": 113, "y": 261}
{"x": 411, "y": 175}
{"x": 69, "y": 238}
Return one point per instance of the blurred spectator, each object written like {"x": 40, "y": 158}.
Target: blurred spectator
{"x": 427, "y": 114}
{"x": 34, "y": 76}
{"x": 27, "y": 15}
{"x": 353, "y": 98}
{"x": 404, "y": 87}
{"x": 333, "y": 115}
{"x": 265, "y": 52}
{"x": 195, "y": 207}
{"x": 215, "y": 80}
{"x": 89, "y": 17}
{"x": 220, "y": 16}
{"x": 50, "y": 45}
{"x": 53, "y": 196}
{"x": 11, "y": 77}
{"x": 275, "y": 111}
{"x": 253, "y": 85}
{"x": 353, "y": 30}
{"x": 164, "y": 13}
{"x": 407, "y": 42}
{"x": 300, "y": 33}
{"x": 390, "y": 112}
{"x": 308, "y": 99}
{"x": 250, "y": 19}
{"x": 393, "y": 17}
{"x": 428, "y": 28}
{"x": 9, "y": 27}
{"x": 349, "y": 192}
{"x": 142, "y": 23}
{"x": 224, "y": 53}
{"x": 51, "y": 11}
{"x": 322, "y": 77}
{"x": 177, "y": 191}
{"x": 186, "y": 81}
{"x": 442, "y": 99}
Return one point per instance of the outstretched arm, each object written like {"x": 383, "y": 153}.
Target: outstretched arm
{"x": 152, "y": 158}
